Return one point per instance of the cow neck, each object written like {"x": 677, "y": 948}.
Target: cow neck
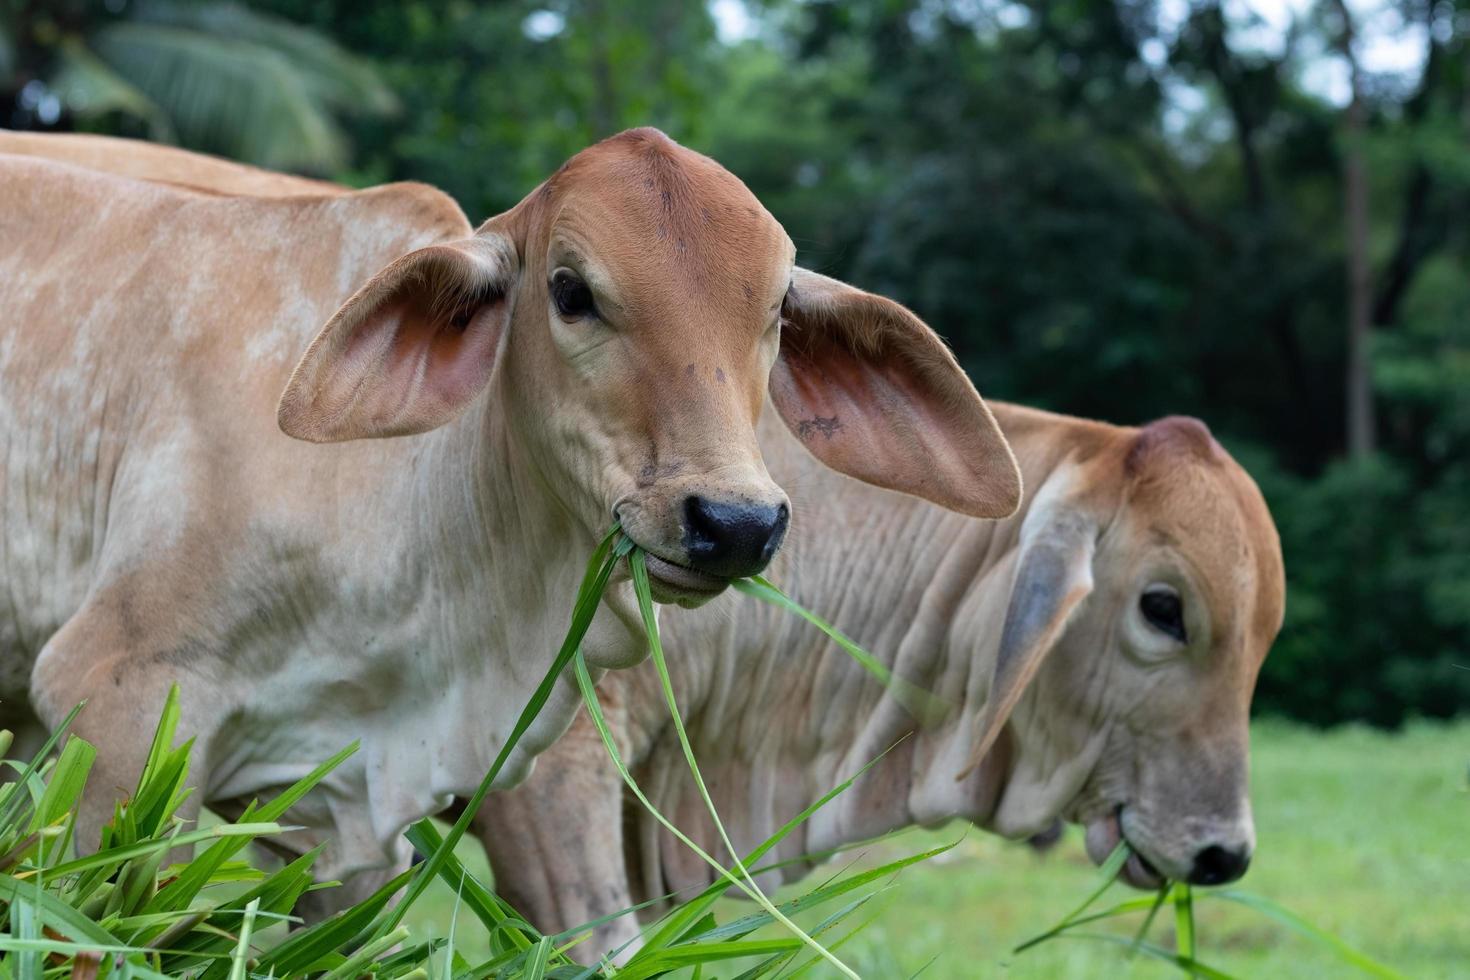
{"x": 485, "y": 569}
{"x": 779, "y": 717}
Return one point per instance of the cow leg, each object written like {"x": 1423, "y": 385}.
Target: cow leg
{"x": 555, "y": 844}
{"x": 124, "y": 676}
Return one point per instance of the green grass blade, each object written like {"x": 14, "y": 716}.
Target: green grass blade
{"x": 65, "y": 783}
{"x": 1190, "y": 966}
{"x": 650, "y": 625}
{"x": 1107, "y": 874}
{"x": 1157, "y": 903}
{"x": 1184, "y": 920}
{"x": 594, "y": 583}
{"x": 676, "y": 922}
{"x": 486, "y": 906}
{"x": 117, "y": 855}
{"x": 242, "y": 948}
{"x": 203, "y": 870}
{"x": 60, "y": 916}
{"x": 925, "y": 706}
{"x": 1295, "y": 922}
{"x": 16, "y": 800}
{"x": 304, "y": 950}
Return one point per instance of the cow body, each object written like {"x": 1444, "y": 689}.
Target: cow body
{"x": 157, "y": 527}
{"x": 600, "y": 352}
{"x": 778, "y": 716}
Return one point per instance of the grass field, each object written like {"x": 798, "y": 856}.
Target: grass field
{"x": 1362, "y": 833}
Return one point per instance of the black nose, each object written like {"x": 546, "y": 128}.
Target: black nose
{"x": 1217, "y": 865}
{"x": 732, "y": 540}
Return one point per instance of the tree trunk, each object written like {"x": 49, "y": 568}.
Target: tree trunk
{"x": 1360, "y": 424}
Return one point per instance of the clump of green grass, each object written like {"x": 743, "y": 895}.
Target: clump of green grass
{"x": 123, "y": 912}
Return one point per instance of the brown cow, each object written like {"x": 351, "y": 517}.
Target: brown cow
{"x": 601, "y": 351}
{"x": 1124, "y": 613}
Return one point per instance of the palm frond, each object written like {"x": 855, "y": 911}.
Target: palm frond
{"x": 233, "y": 97}
{"x": 90, "y": 89}
{"x": 334, "y": 75}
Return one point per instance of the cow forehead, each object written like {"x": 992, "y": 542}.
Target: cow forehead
{"x": 668, "y": 225}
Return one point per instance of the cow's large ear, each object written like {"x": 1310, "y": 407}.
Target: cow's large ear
{"x": 410, "y": 349}
{"x": 1053, "y": 576}
{"x": 871, "y": 391}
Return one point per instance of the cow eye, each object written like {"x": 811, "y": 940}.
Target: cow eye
{"x": 1165, "y": 612}
{"x": 571, "y": 295}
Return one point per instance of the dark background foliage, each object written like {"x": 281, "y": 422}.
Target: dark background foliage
{"x": 1115, "y": 208}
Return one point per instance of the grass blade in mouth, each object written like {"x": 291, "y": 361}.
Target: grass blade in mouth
{"x": 923, "y": 705}
{"x": 1184, "y": 920}
{"x": 1153, "y": 912}
{"x": 594, "y": 583}
{"x": 594, "y": 709}
{"x": 1108, "y": 874}
{"x": 650, "y": 625}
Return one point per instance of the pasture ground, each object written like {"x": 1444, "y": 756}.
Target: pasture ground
{"x": 1363, "y": 833}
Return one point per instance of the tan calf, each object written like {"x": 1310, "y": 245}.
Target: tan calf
{"x": 1121, "y": 618}
{"x": 599, "y": 352}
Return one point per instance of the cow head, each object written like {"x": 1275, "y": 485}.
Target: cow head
{"x": 638, "y": 308}
{"x": 1148, "y": 590}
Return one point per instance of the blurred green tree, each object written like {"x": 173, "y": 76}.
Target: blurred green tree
{"x": 213, "y": 76}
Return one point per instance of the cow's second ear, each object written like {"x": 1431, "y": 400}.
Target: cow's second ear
{"x": 1053, "y": 576}
{"x": 410, "y": 349}
{"x": 872, "y": 392}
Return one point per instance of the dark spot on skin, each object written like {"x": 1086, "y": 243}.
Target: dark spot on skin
{"x": 652, "y": 472}
{"x": 689, "y": 371}
{"x": 648, "y": 182}
{"x": 808, "y": 428}
{"x": 667, "y": 199}
{"x": 704, "y": 213}
{"x": 679, "y": 245}
{"x": 749, "y": 293}
{"x": 719, "y": 375}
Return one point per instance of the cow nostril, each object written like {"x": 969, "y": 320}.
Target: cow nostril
{"x": 775, "y": 535}
{"x": 732, "y": 540}
{"x": 1216, "y": 865}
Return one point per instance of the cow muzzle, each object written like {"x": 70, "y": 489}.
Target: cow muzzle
{"x": 697, "y": 541}
{"x": 1216, "y": 859}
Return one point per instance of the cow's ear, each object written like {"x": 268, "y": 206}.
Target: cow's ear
{"x": 871, "y": 391}
{"x": 410, "y": 349}
{"x": 1053, "y": 576}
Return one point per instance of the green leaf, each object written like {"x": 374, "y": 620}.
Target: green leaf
{"x": 1184, "y": 920}
{"x": 926, "y": 707}
{"x": 589, "y": 596}
{"x": 1293, "y": 921}
{"x": 1107, "y": 874}
{"x": 650, "y": 625}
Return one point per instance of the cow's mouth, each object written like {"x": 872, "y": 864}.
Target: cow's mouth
{"x": 680, "y": 584}
{"x": 1103, "y": 834}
